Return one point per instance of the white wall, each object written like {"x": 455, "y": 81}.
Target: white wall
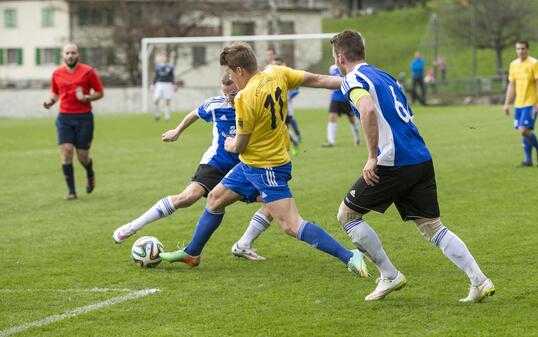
{"x": 29, "y": 35}
{"x": 25, "y": 103}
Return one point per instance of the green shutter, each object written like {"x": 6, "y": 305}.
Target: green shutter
{"x": 19, "y": 56}
{"x": 110, "y": 17}
{"x": 83, "y": 17}
{"x": 58, "y": 56}
{"x": 1, "y": 56}
{"x": 83, "y": 54}
{"x": 38, "y": 56}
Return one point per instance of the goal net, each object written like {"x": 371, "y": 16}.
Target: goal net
{"x": 198, "y": 72}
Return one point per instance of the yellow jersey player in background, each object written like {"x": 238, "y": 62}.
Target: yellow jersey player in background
{"x": 264, "y": 171}
{"x": 523, "y": 77}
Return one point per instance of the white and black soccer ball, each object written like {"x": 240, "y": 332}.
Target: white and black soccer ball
{"x": 146, "y": 251}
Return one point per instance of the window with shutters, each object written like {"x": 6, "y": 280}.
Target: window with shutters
{"x": 10, "y": 18}
{"x": 14, "y": 56}
{"x": 47, "y": 17}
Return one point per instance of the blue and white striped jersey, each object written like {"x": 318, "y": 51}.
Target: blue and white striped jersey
{"x": 337, "y": 94}
{"x": 400, "y": 143}
{"x": 219, "y": 111}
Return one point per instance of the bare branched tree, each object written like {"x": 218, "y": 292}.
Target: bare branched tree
{"x": 492, "y": 24}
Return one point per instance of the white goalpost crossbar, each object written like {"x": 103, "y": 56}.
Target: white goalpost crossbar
{"x": 147, "y": 42}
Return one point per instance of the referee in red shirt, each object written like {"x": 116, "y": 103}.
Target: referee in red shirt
{"x": 75, "y": 85}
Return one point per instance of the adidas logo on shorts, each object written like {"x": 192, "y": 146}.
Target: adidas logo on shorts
{"x": 352, "y": 192}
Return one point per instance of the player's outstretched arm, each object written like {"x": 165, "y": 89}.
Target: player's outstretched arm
{"x": 510, "y": 92}
{"x": 173, "y": 135}
{"x": 321, "y": 81}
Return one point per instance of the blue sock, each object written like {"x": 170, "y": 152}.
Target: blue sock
{"x": 208, "y": 223}
{"x": 295, "y": 128}
{"x": 527, "y": 149}
{"x": 320, "y": 239}
{"x": 532, "y": 139}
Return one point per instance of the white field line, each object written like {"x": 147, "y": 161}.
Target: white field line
{"x": 67, "y": 290}
{"x": 78, "y": 311}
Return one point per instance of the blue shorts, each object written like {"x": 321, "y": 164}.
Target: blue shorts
{"x": 524, "y": 117}
{"x": 269, "y": 182}
{"x": 76, "y": 129}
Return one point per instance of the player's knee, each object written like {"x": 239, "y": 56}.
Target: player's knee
{"x": 429, "y": 227}
{"x": 346, "y": 214}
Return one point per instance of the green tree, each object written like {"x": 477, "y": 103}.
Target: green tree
{"x": 492, "y": 24}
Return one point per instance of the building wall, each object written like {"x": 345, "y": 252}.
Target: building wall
{"x": 29, "y": 35}
{"x": 27, "y": 103}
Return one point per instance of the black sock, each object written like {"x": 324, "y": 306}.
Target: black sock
{"x": 89, "y": 169}
{"x": 69, "y": 177}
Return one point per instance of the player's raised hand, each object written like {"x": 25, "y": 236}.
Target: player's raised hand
{"x": 48, "y": 103}
{"x": 369, "y": 172}
{"x": 170, "y": 135}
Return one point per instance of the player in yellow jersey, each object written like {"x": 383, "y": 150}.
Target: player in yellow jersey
{"x": 523, "y": 77}
{"x": 262, "y": 141}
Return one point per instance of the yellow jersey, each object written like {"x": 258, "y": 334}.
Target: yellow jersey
{"x": 524, "y": 75}
{"x": 260, "y": 109}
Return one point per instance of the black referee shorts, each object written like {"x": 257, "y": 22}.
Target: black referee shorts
{"x": 411, "y": 188}
{"x": 76, "y": 129}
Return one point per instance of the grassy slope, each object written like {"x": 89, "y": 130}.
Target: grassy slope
{"x": 392, "y": 37}
{"x": 49, "y": 243}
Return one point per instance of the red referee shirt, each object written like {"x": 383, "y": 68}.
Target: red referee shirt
{"x": 65, "y": 84}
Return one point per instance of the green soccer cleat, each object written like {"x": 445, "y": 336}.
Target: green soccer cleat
{"x": 181, "y": 256}
{"x": 357, "y": 264}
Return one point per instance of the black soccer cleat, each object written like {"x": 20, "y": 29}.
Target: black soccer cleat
{"x": 90, "y": 185}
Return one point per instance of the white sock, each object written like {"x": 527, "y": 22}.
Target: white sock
{"x": 257, "y": 225}
{"x": 161, "y": 209}
{"x": 157, "y": 111}
{"x": 331, "y": 132}
{"x": 457, "y": 252}
{"x": 366, "y": 240}
{"x": 355, "y": 130}
{"x": 167, "y": 112}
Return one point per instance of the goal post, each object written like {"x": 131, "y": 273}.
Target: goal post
{"x": 198, "y": 57}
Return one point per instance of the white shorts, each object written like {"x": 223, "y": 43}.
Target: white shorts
{"x": 163, "y": 90}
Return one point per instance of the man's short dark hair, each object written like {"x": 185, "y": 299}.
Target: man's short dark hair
{"x": 350, "y": 44}
{"x": 226, "y": 80}
{"x": 524, "y": 42}
{"x": 239, "y": 54}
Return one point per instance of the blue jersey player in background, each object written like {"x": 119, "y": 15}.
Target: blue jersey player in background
{"x": 163, "y": 86}
{"x": 399, "y": 170}
{"x": 340, "y": 106}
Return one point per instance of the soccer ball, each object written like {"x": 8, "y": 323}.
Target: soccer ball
{"x": 146, "y": 250}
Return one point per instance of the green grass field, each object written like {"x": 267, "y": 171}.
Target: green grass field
{"x": 56, "y": 252}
